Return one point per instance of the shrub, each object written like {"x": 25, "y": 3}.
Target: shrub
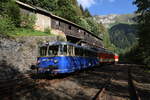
{"x": 6, "y": 25}
{"x": 27, "y": 21}
{"x": 47, "y": 30}
{"x": 82, "y": 22}
{"x": 10, "y": 9}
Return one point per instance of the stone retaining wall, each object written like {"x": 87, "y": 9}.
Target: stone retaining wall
{"x": 21, "y": 52}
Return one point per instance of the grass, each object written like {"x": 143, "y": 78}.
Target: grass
{"x": 27, "y": 32}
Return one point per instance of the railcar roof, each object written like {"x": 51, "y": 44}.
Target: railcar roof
{"x": 65, "y": 43}
{"x": 104, "y": 50}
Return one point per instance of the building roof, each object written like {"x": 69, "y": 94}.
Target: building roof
{"x": 24, "y": 4}
{"x": 54, "y": 16}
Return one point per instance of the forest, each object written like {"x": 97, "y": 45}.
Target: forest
{"x": 71, "y": 10}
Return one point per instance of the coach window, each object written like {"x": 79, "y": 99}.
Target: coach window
{"x": 89, "y": 53}
{"x": 81, "y": 52}
{"x": 77, "y": 51}
{"x": 86, "y": 52}
{"x": 65, "y": 50}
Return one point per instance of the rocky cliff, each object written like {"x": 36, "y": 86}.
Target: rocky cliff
{"x": 108, "y": 20}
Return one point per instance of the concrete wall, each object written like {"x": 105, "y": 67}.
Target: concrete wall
{"x": 42, "y": 22}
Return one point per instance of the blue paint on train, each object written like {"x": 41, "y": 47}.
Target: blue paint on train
{"x": 66, "y": 64}
{"x": 65, "y": 57}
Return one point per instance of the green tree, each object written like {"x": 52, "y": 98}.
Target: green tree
{"x": 27, "y": 21}
{"x": 6, "y": 25}
{"x": 144, "y": 30}
{"x": 11, "y": 10}
{"x": 65, "y": 10}
{"x": 96, "y": 28}
{"x": 124, "y": 33}
{"x": 82, "y": 22}
{"x": 82, "y": 10}
{"x": 86, "y": 13}
{"x": 50, "y": 5}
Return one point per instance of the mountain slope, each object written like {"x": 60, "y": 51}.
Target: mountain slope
{"x": 123, "y": 35}
{"x": 110, "y": 20}
{"x": 122, "y": 29}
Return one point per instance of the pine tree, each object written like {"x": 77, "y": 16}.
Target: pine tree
{"x": 144, "y": 30}
{"x": 87, "y": 13}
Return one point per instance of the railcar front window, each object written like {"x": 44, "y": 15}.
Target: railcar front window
{"x": 70, "y": 50}
{"x": 43, "y": 51}
{"x": 63, "y": 50}
{"x": 53, "y": 51}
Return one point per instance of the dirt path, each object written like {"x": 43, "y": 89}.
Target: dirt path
{"x": 109, "y": 82}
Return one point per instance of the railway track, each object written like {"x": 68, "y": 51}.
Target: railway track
{"x": 12, "y": 87}
{"x": 131, "y": 86}
{"x": 22, "y": 84}
{"x": 133, "y": 94}
{"x": 132, "y": 89}
{"x": 101, "y": 93}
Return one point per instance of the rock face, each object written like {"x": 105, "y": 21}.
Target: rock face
{"x": 113, "y": 18}
{"x": 20, "y": 53}
{"x": 106, "y": 19}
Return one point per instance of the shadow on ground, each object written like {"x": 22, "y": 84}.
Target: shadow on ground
{"x": 82, "y": 85}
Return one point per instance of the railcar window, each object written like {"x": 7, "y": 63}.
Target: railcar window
{"x": 86, "y": 52}
{"x": 53, "y": 51}
{"x": 81, "y": 52}
{"x": 43, "y": 51}
{"x": 65, "y": 50}
{"x": 62, "y": 50}
{"x": 70, "y": 50}
{"x": 90, "y": 53}
{"x": 77, "y": 51}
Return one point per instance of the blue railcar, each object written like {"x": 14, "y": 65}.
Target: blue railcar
{"x": 65, "y": 57}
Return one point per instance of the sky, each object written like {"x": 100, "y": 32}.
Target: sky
{"x": 106, "y": 7}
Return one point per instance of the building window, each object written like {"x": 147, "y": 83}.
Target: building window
{"x": 84, "y": 33}
{"x": 69, "y": 27}
{"x": 79, "y": 30}
{"x": 57, "y": 23}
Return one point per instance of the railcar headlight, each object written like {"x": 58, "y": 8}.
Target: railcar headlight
{"x": 38, "y": 61}
{"x": 55, "y": 61}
